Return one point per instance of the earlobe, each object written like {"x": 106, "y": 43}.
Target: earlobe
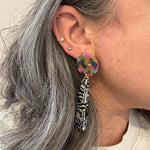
{"x": 69, "y": 30}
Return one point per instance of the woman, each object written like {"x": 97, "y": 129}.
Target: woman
{"x": 42, "y": 78}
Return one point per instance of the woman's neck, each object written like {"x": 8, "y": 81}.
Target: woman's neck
{"x": 113, "y": 127}
{"x": 113, "y": 114}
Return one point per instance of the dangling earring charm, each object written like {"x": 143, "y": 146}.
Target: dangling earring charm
{"x": 87, "y": 65}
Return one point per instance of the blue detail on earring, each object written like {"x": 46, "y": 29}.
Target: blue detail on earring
{"x": 79, "y": 60}
{"x": 94, "y": 71}
{"x": 84, "y": 72}
{"x": 94, "y": 64}
{"x": 83, "y": 64}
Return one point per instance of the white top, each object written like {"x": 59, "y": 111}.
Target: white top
{"x": 137, "y": 136}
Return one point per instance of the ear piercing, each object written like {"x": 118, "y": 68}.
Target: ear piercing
{"x": 69, "y": 48}
{"x": 58, "y": 16}
{"x": 62, "y": 39}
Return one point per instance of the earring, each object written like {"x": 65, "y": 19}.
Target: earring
{"x": 88, "y": 66}
{"x": 69, "y": 48}
{"x": 62, "y": 39}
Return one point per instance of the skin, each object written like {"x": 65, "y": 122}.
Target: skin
{"x": 122, "y": 50}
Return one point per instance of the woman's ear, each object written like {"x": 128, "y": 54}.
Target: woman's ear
{"x": 70, "y": 25}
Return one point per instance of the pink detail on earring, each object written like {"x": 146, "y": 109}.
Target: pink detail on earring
{"x": 97, "y": 67}
{"x": 91, "y": 67}
{"x": 87, "y": 55}
{"x": 89, "y": 75}
{"x": 80, "y": 70}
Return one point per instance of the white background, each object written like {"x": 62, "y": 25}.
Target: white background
{"x": 11, "y": 12}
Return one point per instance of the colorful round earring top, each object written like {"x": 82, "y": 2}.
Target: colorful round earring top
{"x": 87, "y": 64}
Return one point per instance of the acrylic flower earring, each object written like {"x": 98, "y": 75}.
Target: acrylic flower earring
{"x": 88, "y": 66}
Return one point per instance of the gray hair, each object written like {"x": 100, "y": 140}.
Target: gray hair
{"x": 44, "y": 80}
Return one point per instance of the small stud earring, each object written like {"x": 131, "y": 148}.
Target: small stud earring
{"x": 62, "y": 39}
{"x": 70, "y": 48}
{"x": 58, "y": 16}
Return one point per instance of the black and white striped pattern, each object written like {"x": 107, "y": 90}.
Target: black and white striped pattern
{"x": 81, "y": 116}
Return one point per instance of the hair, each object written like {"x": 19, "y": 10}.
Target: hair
{"x": 44, "y": 80}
